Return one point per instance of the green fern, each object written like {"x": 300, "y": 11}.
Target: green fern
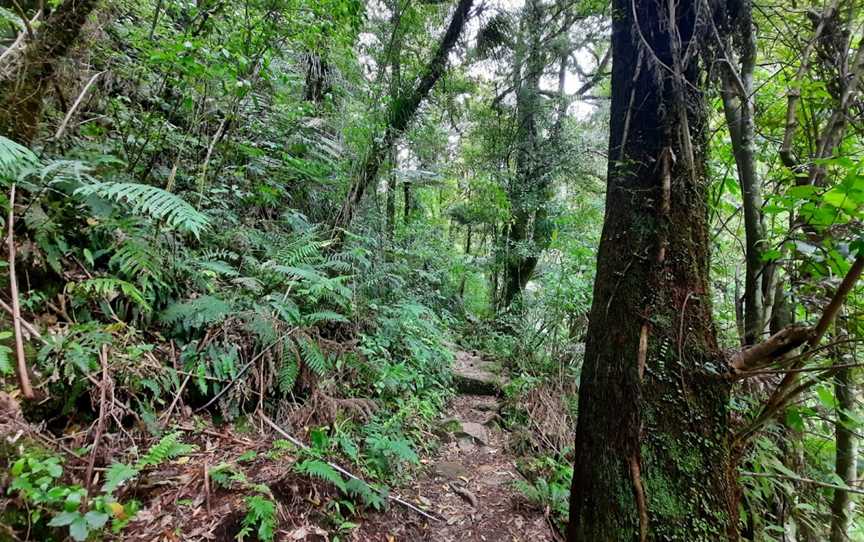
{"x": 288, "y": 371}
{"x": 138, "y": 261}
{"x": 312, "y": 355}
{"x": 197, "y": 313}
{"x": 169, "y": 447}
{"x": 260, "y": 512}
{"x": 322, "y": 316}
{"x": 150, "y": 201}
{"x": 108, "y": 288}
{"x": 369, "y": 496}
{"x": 14, "y": 159}
{"x": 320, "y": 469}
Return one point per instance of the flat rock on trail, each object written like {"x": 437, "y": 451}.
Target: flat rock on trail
{"x": 473, "y": 374}
{"x": 469, "y": 484}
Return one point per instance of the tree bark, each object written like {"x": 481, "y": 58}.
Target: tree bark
{"x": 22, "y": 92}
{"x": 846, "y": 461}
{"x": 737, "y": 95}
{"x": 652, "y": 457}
{"x": 401, "y": 113}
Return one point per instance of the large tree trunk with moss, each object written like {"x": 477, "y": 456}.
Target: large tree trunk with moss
{"x": 652, "y": 457}
{"x": 22, "y": 90}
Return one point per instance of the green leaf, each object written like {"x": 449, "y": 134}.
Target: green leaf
{"x": 826, "y": 397}
{"x": 63, "y": 519}
{"x": 79, "y": 529}
{"x": 96, "y": 520}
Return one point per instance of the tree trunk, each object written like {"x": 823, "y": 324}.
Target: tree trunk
{"x": 846, "y": 453}
{"x": 737, "y": 94}
{"x": 22, "y": 92}
{"x": 400, "y": 114}
{"x": 528, "y": 190}
{"x": 652, "y": 452}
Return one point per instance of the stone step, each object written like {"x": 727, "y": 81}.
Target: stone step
{"x": 473, "y": 375}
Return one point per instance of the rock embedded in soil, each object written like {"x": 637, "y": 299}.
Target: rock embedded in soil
{"x": 473, "y": 431}
{"x": 475, "y": 375}
{"x": 451, "y": 469}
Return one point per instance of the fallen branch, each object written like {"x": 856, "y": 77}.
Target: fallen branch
{"x": 23, "y": 377}
{"x": 24, "y": 323}
{"x": 300, "y": 444}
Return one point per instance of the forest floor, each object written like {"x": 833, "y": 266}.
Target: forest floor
{"x": 469, "y": 483}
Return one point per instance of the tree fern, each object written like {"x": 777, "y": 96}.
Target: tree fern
{"x": 150, "y": 201}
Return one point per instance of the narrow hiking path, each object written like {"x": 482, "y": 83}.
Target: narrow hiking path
{"x": 469, "y": 483}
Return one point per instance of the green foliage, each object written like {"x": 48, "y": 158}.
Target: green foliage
{"x": 150, "y": 201}
{"x": 14, "y": 160}
{"x": 169, "y": 447}
{"x": 320, "y": 469}
{"x": 260, "y": 517}
{"x": 36, "y": 478}
{"x": 548, "y": 487}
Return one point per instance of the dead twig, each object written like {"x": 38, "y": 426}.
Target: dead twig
{"x": 100, "y": 425}
{"x": 62, "y": 127}
{"x": 23, "y": 376}
{"x": 177, "y": 395}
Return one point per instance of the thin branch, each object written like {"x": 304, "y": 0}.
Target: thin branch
{"x": 23, "y": 376}
{"x": 75, "y": 105}
{"x": 300, "y": 444}
{"x": 801, "y": 479}
{"x": 100, "y": 425}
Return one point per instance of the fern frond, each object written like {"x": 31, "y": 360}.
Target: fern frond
{"x": 313, "y": 357}
{"x": 322, "y": 316}
{"x": 135, "y": 259}
{"x": 288, "y": 372}
{"x": 169, "y": 447}
{"x": 14, "y": 159}
{"x": 285, "y": 309}
{"x": 320, "y": 469}
{"x": 197, "y": 313}
{"x": 151, "y": 201}
{"x": 109, "y": 288}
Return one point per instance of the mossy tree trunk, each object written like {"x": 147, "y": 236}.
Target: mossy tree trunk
{"x": 652, "y": 457}
{"x": 22, "y": 92}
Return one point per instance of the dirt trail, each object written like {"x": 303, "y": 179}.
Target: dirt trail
{"x": 469, "y": 484}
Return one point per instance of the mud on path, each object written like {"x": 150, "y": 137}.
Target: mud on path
{"x": 469, "y": 484}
